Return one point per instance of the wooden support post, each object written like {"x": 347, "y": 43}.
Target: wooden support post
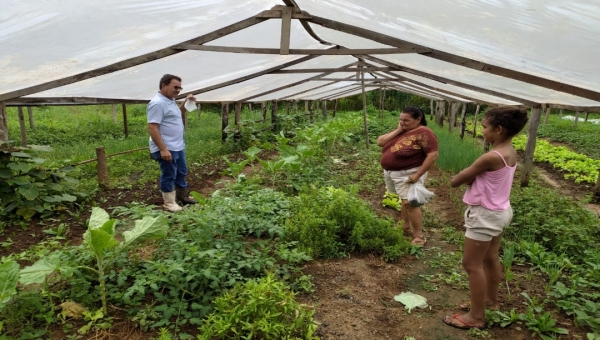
{"x": 263, "y": 111}
{"x": 534, "y": 123}
{"x": 364, "y": 99}
{"x": 224, "y": 120}
{"x": 560, "y": 113}
{"x": 286, "y": 24}
{"x": 125, "y": 126}
{"x": 102, "y": 162}
{"x": 198, "y": 106}
{"x": 250, "y": 107}
{"x": 3, "y": 122}
{"x": 548, "y": 110}
{"x": 306, "y": 107}
{"x": 238, "y": 112}
{"x": 440, "y": 113}
{"x": 114, "y": 113}
{"x": 431, "y": 110}
{"x": 452, "y": 118}
{"x": 22, "y": 127}
{"x": 274, "y": 121}
{"x": 287, "y": 107}
{"x": 3, "y": 126}
{"x": 295, "y": 107}
{"x": 324, "y": 109}
{"x": 586, "y": 117}
{"x": 383, "y": 102}
{"x": 576, "y": 118}
{"x": 475, "y": 121}
{"x": 335, "y": 108}
{"x": 30, "y": 114}
{"x": 463, "y": 121}
{"x": 312, "y": 111}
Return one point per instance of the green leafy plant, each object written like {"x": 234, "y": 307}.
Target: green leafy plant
{"x": 262, "y": 309}
{"x": 27, "y": 187}
{"x": 391, "y": 200}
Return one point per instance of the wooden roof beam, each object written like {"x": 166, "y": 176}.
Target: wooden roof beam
{"x": 311, "y": 89}
{"x": 455, "y": 59}
{"x": 256, "y": 50}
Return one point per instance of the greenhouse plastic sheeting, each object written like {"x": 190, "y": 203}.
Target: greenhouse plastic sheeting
{"x": 47, "y": 40}
{"x": 558, "y": 40}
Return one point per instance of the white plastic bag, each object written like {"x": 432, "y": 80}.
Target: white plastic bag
{"x": 418, "y": 195}
{"x": 189, "y": 105}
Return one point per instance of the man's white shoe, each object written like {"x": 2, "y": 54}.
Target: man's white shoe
{"x": 170, "y": 204}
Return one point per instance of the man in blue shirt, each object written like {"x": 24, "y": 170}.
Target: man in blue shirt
{"x": 167, "y": 147}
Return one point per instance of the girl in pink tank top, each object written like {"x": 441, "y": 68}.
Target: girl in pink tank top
{"x": 490, "y": 179}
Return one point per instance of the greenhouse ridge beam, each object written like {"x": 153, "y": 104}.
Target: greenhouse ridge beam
{"x": 319, "y": 70}
{"x": 455, "y": 59}
{"x": 58, "y": 101}
{"x": 338, "y": 89}
{"x": 311, "y": 89}
{"x": 248, "y": 77}
{"x": 121, "y": 65}
{"x": 255, "y": 50}
{"x": 423, "y": 93}
{"x": 452, "y": 82}
{"x": 294, "y": 84}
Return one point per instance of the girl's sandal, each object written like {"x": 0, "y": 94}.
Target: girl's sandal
{"x": 419, "y": 241}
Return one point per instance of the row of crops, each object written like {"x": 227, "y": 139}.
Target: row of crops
{"x": 231, "y": 266}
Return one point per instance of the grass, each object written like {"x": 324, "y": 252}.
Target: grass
{"x": 455, "y": 154}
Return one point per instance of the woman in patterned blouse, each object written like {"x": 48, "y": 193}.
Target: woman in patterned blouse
{"x": 408, "y": 153}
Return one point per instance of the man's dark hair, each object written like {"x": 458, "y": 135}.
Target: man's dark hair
{"x": 512, "y": 119}
{"x": 166, "y": 80}
{"x": 416, "y": 113}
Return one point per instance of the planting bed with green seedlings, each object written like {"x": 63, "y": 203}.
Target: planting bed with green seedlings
{"x": 584, "y": 138}
{"x": 291, "y": 240}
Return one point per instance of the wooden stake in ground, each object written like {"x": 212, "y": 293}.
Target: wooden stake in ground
{"x": 224, "y": 120}
{"x": 306, "y": 107}
{"x": 125, "y": 127}
{"x": 22, "y": 127}
{"x": 463, "y": 121}
{"x": 440, "y": 113}
{"x": 586, "y": 117}
{"x": 548, "y": 110}
{"x": 324, "y": 109}
{"x": 30, "y": 114}
{"x": 475, "y": 121}
{"x": 311, "y": 110}
{"x": 102, "y": 162}
{"x": 113, "y": 107}
{"x": 534, "y": 123}
{"x": 263, "y": 111}
{"x": 576, "y": 118}
{"x": 295, "y": 107}
{"x": 364, "y": 98}
{"x": 238, "y": 112}
{"x": 560, "y": 113}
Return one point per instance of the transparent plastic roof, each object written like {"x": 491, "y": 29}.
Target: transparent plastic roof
{"x": 47, "y": 40}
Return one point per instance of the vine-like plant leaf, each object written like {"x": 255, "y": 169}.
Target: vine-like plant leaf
{"x": 9, "y": 277}
{"x": 148, "y": 228}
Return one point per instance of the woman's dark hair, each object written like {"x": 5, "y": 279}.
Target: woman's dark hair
{"x": 166, "y": 80}
{"x": 416, "y": 113}
{"x": 511, "y": 119}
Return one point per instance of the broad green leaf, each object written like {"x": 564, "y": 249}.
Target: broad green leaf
{"x": 99, "y": 241}
{"x": 20, "y": 154}
{"x": 148, "y": 228}
{"x": 411, "y": 300}
{"x": 38, "y": 173}
{"x": 38, "y": 272}
{"x": 68, "y": 198}
{"x": 29, "y": 192}
{"x": 55, "y": 187}
{"x": 5, "y": 173}
{"x": 23, "y": 167}
{"x": 109, "y": 227}
{"x": 20, "y": 181}
{"x": 98, "y": 218}
{"x": 9, "y": 277}
{"x": 252, "y": 152}
{"x": 53, "y": 199}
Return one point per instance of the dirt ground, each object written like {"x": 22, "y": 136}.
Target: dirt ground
{"x": 353, "y": 296}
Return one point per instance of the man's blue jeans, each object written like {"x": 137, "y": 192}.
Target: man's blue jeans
{"x": 172, "y": 173}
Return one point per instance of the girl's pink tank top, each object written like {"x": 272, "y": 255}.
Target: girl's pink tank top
{"x": 491, "y": 189}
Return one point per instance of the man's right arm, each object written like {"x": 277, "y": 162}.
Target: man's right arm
{"x": 154, "y": 131}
